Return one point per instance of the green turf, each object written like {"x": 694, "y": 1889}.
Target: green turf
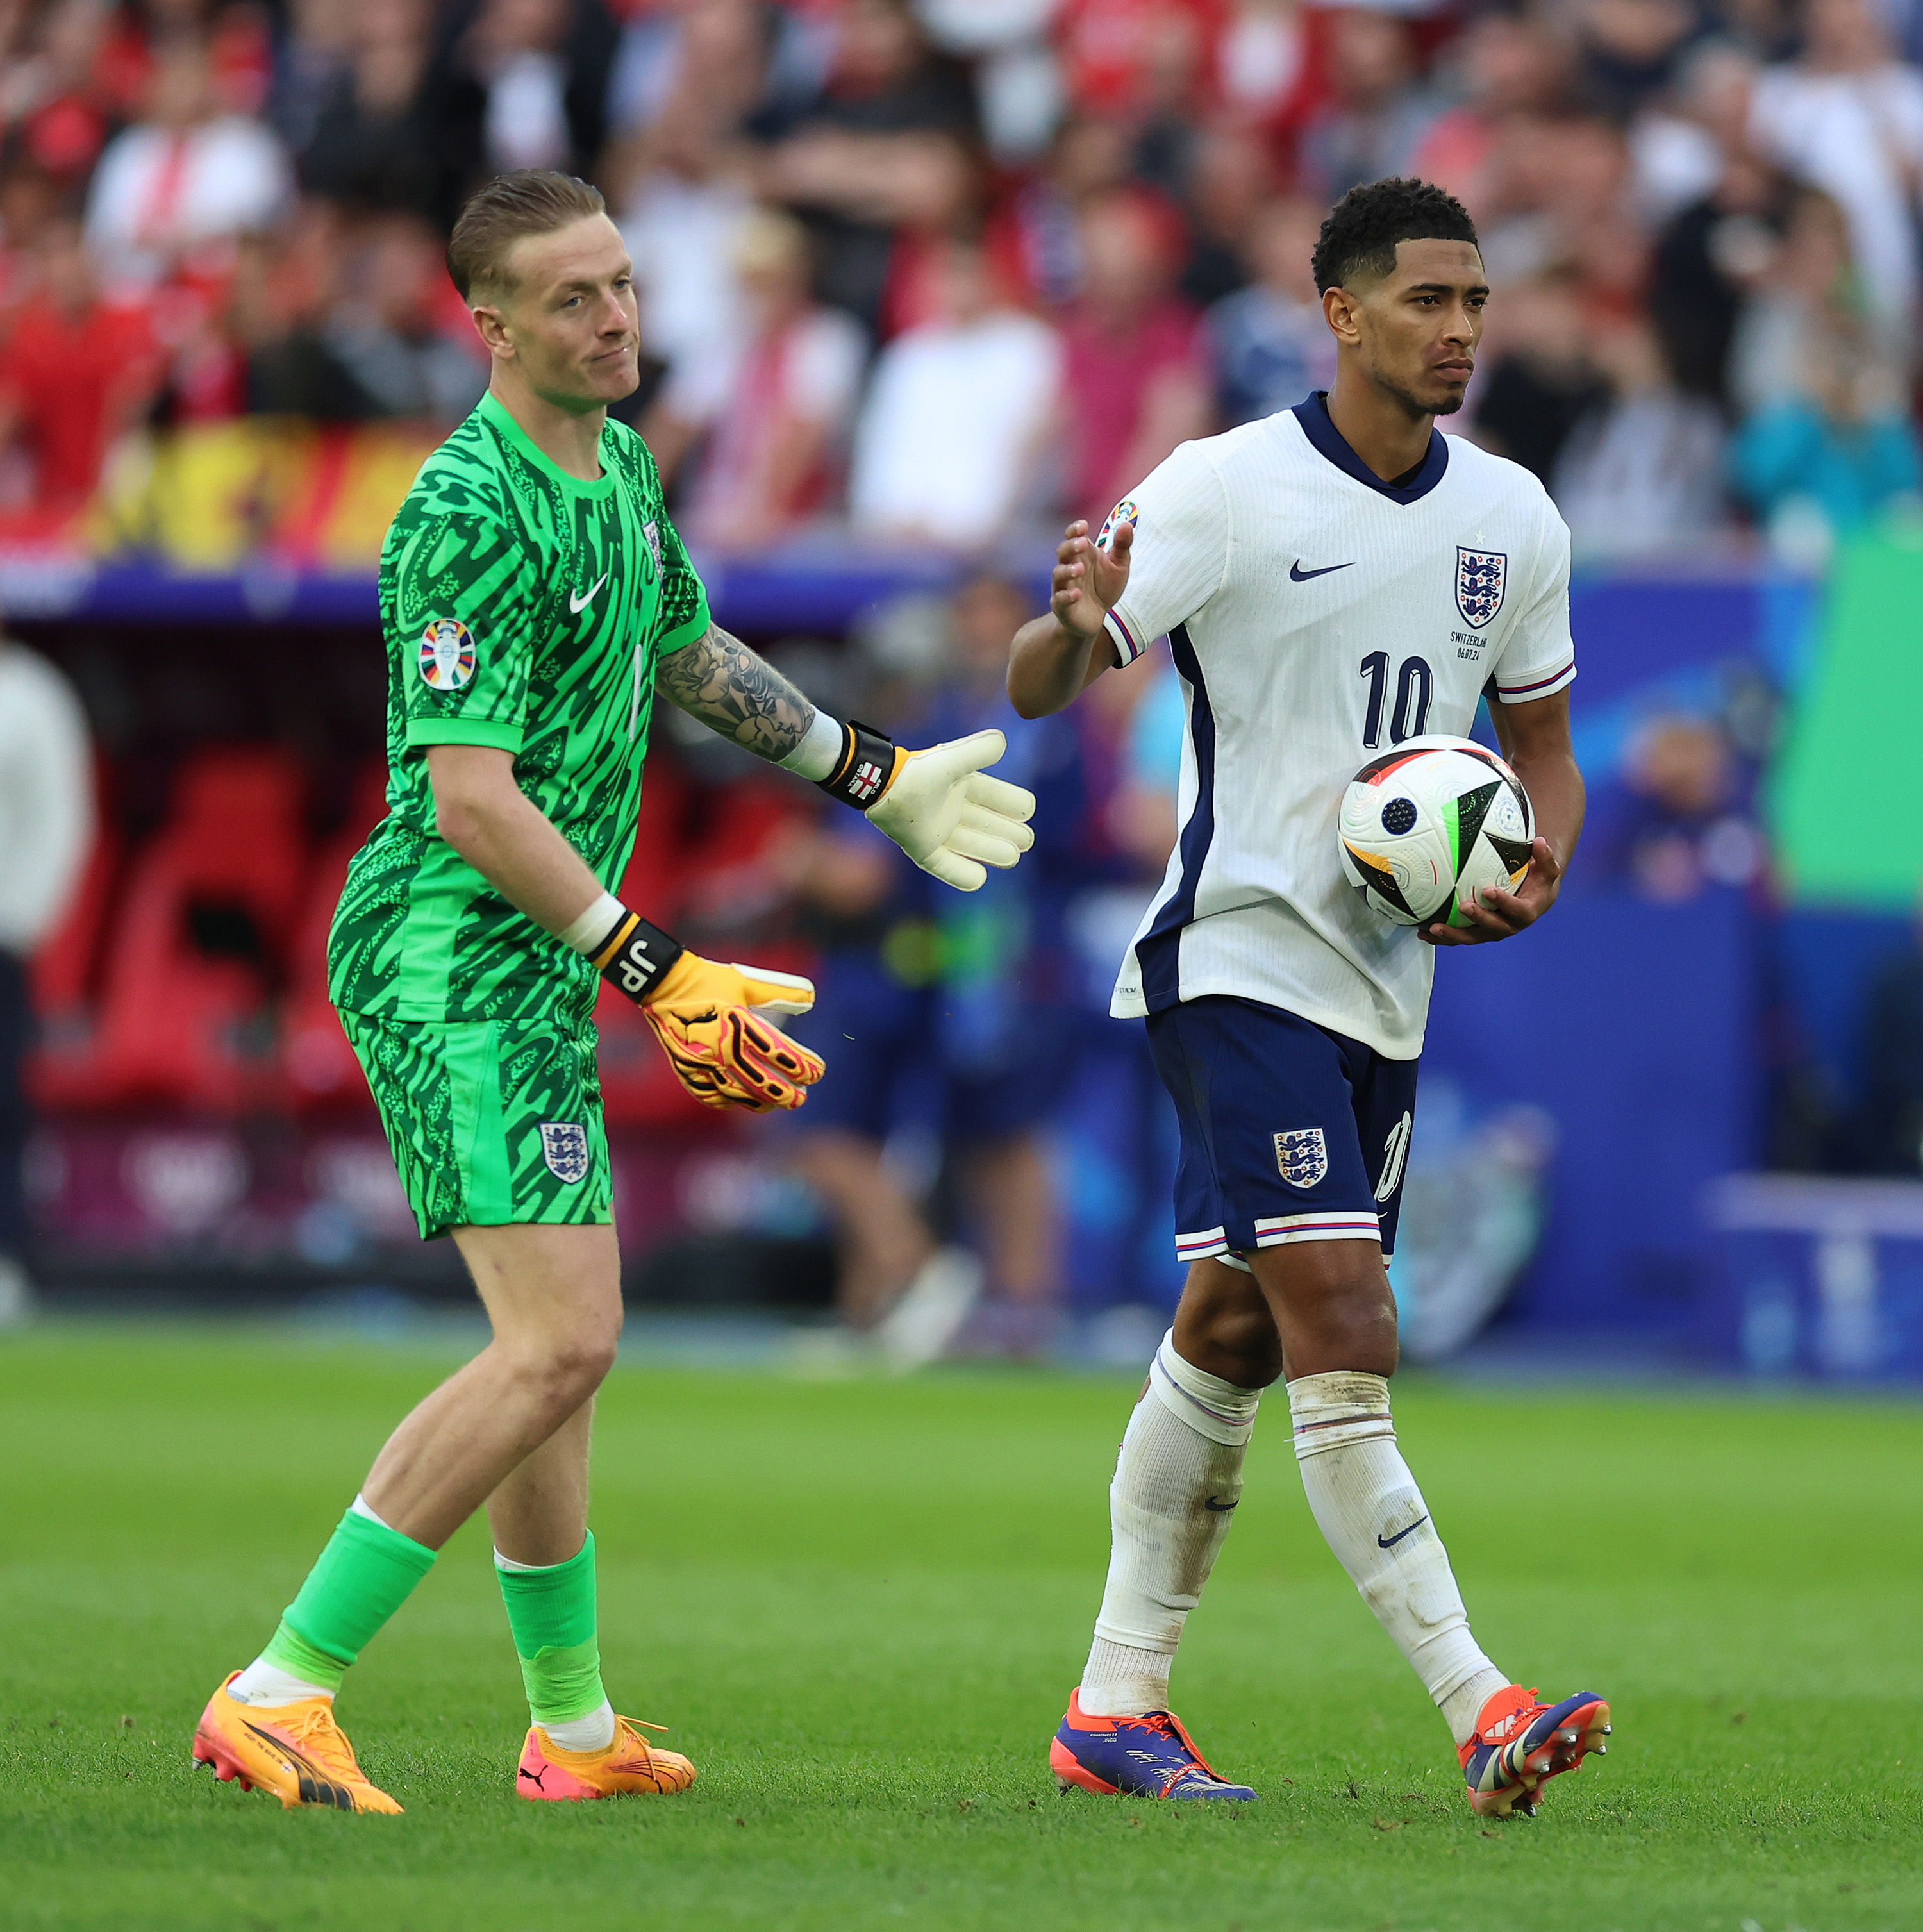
{"x": 861, "y": 1605}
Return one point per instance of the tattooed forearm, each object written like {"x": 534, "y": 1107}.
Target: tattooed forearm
{"x": 719, "y": 680}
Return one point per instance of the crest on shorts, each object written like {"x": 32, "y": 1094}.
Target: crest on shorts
{"x": 1302, "y": 1156}
{"x": 1124, "y": 512}
{"x": 447, "y": 655}
{"x": 564, "y": 1147}
{"x": 1481, "y": 577}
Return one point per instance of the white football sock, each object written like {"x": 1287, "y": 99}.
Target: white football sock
{"x": 593, "y": 1733}
{"x": 1367, "y": 1505}
{"x": 261, "y": 1683}
{"x": 1177, "y": 1481}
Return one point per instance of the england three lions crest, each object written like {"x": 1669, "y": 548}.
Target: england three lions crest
{"x": 1481, "y": 576}
{"x": 564, "y": 1147}
{"x": 1302, "y": 1156}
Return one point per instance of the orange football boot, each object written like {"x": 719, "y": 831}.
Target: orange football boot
{"x": 296, "y": 1751}
{"x": 628, "y": 1764}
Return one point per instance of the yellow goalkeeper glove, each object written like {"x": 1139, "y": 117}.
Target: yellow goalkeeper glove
{"x": 939, "y": 805}
{"x": 708, "y": 1017}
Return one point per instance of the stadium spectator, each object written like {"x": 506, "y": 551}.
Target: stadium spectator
{"x": 1628, "y": 50}
{"x": 1272, "y": 344}
{"x": 1379, "y": 108}
{"x": 1262, "y": 63}
{"x": 54, "y": 112}
{"x": 773, "y": 449}
{"x": 682, "y": 218}
{"x": 1826, "y": 443}
{"x": 359, "y": 113}
{"x": 1230, "y": 177}
{"x": 1135, "y": 380}
{"x": 1137, "y": 59}
{"x": 1540, "y": 378}
{"x": 525, "y": 86}
{"x": 1018, "y": 77}
{"x": 1682, "y": 145}
{"x": 1715, "y": 245}
{"x": 1642, "y": 472}
{"x": 974, "y": 383}
{"x": 1836, "y": 452}
{"x": 46, "y": 829}
{"x": 839, "y": 156}
{"x": 75, "y": 372}
{"x": 708, "y": 56}
{"x": 1847, "y": 117}
{"x": 172, "y": 191}
{"x": 1508, "y": 71}
{"x": 392, "y": 332}
{"x": 1087, "y": 158}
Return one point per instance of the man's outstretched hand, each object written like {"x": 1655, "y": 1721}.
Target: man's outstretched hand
{"x": 1501, "y": 915}
{"x": 1089, "y": 580}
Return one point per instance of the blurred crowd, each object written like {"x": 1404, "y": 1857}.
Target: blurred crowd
{"x": 942, "y": 269}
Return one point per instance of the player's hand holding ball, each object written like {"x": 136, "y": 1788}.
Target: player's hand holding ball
{"x": 1441, "y": 822}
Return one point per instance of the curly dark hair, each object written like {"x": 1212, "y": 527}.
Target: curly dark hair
{"x": 1363, "y": 227}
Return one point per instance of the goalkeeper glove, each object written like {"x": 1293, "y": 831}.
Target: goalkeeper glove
{"x": 939, "y": 805}
{"x": 707, "y": 1017}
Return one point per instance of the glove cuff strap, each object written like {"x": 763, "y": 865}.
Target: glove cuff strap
{"x": 635, "y": 956}
{"x": 865, "y": 768}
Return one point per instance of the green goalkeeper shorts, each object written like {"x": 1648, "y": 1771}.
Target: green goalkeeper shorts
{"x": 490, "y": 1121}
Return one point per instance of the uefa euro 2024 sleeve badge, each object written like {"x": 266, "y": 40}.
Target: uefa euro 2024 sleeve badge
{"x": 447, "y": 655}
{"x": 1481, "y": 577}
{"x": 1302, "y": 1156}
{"x": 1124, "y": 512}
{"x": 564, "y": 1147}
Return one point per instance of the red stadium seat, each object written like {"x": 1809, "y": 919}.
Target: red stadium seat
{"x": 184, "y": 1017}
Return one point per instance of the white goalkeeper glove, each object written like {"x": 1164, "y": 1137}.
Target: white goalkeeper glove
{"x": 941, "y": 806}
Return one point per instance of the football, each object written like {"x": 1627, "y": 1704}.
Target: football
{"x": 1431, "y": 823}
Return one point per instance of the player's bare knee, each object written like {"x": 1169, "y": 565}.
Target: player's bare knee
{"x": 1236, "y": 1342}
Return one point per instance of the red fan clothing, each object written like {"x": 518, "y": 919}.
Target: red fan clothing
{"x": 1108, "y": 376}
{"x": 69, "y": 381}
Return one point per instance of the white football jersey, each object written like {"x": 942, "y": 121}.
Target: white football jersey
{"x": 1317, "y": 615}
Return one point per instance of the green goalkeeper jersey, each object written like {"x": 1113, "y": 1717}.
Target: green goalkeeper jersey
{"x": 525, "y": 610}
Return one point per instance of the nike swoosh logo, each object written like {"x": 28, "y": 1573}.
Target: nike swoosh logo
{"x": 577, "y": 605}
{"x": 1220, "y": 1509}
{"x": 1298, "y": 575}
{"x": 1389, "y": 1542}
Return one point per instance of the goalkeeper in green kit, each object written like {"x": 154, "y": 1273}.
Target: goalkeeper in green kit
{"x": 535, "y": 597}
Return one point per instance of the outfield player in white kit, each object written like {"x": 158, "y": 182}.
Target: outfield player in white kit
{"x": 1333, "y": 580}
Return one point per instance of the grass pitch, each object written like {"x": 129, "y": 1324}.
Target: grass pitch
{"x": 861, "y": 1605}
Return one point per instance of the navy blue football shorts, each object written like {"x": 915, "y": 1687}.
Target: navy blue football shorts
{"x": 1289, "y": 1132}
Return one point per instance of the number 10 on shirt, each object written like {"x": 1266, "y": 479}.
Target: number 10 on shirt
{"x": 1413, "y": 683}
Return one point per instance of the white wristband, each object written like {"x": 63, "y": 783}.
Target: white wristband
{"x": 820, "y": 750}
{"x": 594, "y": 926}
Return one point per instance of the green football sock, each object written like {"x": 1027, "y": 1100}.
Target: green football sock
{"x": 364, "y": 1575}
{"x": 551, "y": 1612}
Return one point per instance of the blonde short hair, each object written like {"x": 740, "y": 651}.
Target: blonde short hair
{"x": 528, "y": 201}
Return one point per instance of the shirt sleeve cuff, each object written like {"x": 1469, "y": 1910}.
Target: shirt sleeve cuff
{"x": 494, "y": 732}
{"x": 683, "y": 635}
{"x": 1528, "y": 687}
{"x": 1122, "y": 633}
